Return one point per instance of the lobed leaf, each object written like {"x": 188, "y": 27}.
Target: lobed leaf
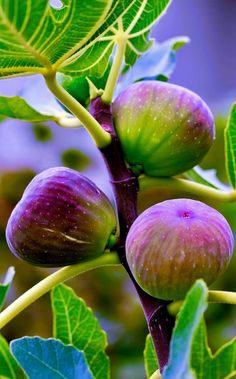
{"x": 35, "y": 36}
{"x": 76, "y": 39}
{"x": 135, "y": 17}
{"x": 9, "y": 368}
{"x": 206, "y": 365}
{"x": 75, "y": 324}
{"x": 230, "y": 147}
{"x": 50, "y": 358}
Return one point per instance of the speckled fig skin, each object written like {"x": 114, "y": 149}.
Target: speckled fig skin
{"x": 62, "y": 219}
{"x": 164, "y": 129}
{"x": 175, "y": 242}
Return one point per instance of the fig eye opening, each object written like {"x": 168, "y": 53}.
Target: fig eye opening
{"x": 185, "y": 213}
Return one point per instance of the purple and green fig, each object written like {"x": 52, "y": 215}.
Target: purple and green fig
{"x": 175, "y": 242}
{"x": 62, "y": 219}
{"x": 164, "y": 129}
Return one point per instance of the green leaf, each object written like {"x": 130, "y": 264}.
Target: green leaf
{"x": 4, "y": 287}
{"x": 75, "y": 324}
{"x": 18, "y": 108}
{"x": 230, "y": 147}
{"x": 50, "y": 358}
{"x": 138, "y": 22}
{"x": 206, "y": 365}
{"x": 136, "y": 18}
{"x": 34, "y": 28}
{"x": 150, "y": 359}
{"x": 31, "y": 31}
{"x": 9, "y": 367}
{"x": 188, "y": 320}
{"x": 190, "y": 355}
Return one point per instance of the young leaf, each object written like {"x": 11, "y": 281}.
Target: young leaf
{"x": 50, "y": 358}
{"x": 150, "y": 359}
{"x": 217, "y": 366}
{"x": 158, "y": 62}
{"x": 4, "y": 287}
{"x": 18, "y": 108}
{"x": 75, "y": 324}
{"x": 9, "y": 367}
{"x": 187, "y": 323}
{"x": 230, "y": 146}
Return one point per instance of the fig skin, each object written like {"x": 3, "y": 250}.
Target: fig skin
{"x": 164, "y": 129}
{"x": 174, "y": 243}
{"x": 62, "y": 219}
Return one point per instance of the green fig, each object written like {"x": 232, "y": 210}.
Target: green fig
{"x": 164, "y": 129}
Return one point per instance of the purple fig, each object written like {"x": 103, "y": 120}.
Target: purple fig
{"x": 62, "y": 219}
{"x": 164, "y": 129}
{"x": 175, "y": 242}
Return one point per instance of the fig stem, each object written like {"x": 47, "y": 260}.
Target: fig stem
{"x": 185, "y": 185}
{"x": 224, "y": 297}
{"x": 125, "y": 186}
{"x": 100, "y": 136}
{"x": 121, "y": 39}
{"x": 45, "y": 285}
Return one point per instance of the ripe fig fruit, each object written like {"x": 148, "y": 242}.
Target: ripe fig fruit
{"x": 173, "y": 243}
{"x": 62, "y": 219}
{"x": 164, "y": 129}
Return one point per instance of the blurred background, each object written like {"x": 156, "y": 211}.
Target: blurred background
{"x": 206, "y": 66}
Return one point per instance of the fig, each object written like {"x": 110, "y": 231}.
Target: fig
{"x": 175, "y": 242}
{"x": 164, "y": 129}
{"x": 62, "y": 219}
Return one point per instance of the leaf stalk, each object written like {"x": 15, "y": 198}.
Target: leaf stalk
{"x": 121, "y": 40}
{"x": 184, "y": 185}
{"x": 100, "y": 136}
{"x": 45, "y": 285}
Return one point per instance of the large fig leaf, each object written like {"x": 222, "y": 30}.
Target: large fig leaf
{"x": 50, "y": 358}
{"x": 76, "y": 39}
{"x": 36, "y": 36}
{"x": 75, "y": 324}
